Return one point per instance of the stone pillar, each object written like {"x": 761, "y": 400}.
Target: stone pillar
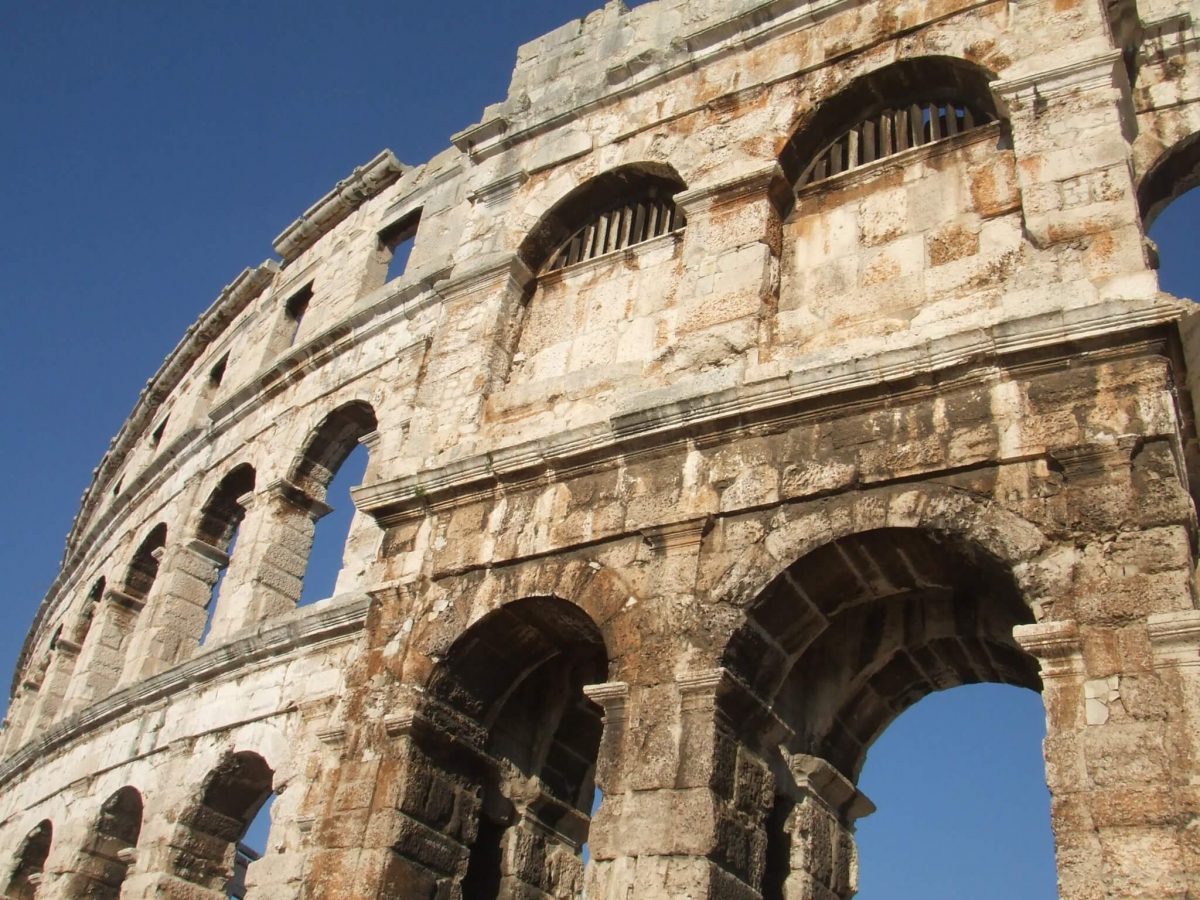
{"x": 816, "y": 830}
{"x": 465, "y": 364}
{"x": 1071, "y": 128}
{"x": 102, "y": 657}
{"x": 399, "y": 823}
{"x": 177, "y": 609}
{"x": 53, "y": 690}
{"x": 732, "y": 271}
{"x": 1121, "y": 755}
{"x": 685, "y": 815}
{"x": 273, "y": 555}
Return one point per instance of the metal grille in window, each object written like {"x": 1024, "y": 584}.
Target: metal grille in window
{"x": 892, "y": 131}
{"x": 618, "y": 228}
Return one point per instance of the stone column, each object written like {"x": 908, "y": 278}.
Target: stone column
{"x": 816, "y": 830}
{"x": 398, "y": 823}
{"x": 734, "y": 238}
{"x": 177, "y": 609}
{"x": 56, "y": 681}
{"x": 102, "y": 657}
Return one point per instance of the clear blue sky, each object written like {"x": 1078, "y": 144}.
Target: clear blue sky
{"x": 152, "y": 150}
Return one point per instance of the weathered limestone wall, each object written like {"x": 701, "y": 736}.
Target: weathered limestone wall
{"x": 689, "y": 522}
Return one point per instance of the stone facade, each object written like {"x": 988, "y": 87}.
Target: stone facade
{"x": 758, "y": 369}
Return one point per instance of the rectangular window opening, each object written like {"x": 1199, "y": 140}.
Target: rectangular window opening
{"x": 217, "y": 373}
{"x": 396, "y": 242}
{"x": 157, "y": 436}
{"x": 295, "y": 309}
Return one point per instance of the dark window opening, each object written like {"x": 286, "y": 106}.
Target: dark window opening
{"x": 107, "y": 855}
{"x": 892, "y": 131}
{"x": 618, "y": 227}
{"x": 396, "y": 243}
{"x": 219, "y": 524}
{"x": 333, "y": 530}
{"x": 217, "y": 373}
{"x": 157, "y": 436}
{"x": 30, "y": 862}
{"x": 295, "y": 309}
{"x": 210, "y": 850}
{"x": 143, "y": 568}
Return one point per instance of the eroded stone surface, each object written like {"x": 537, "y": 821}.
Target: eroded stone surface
{"x": 689, "y": 518}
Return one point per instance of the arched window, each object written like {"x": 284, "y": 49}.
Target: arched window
{"x": 837, "y": 647}
{"x": 31, "y": 860}
{"x": 905, "y": 105}
{"x": 109, "y": 850}
{"x": 204, "y": 848}
{"x": 517, "y": 676}
{"x": 143, "y": 568}
{"x": 220, "y": 519}
{"x": 615, "y": 210}
{"x": 329, "y": 448}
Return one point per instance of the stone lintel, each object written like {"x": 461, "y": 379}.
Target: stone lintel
{"x": 295, "y": 496}
{"x": 1175, "y": 638}
{"x": 493, "y": 274}
{"x": 116, "y": 597}
{"x": 497, "y": 192}
{"x": 400, "y": 724}
{"x": 480, "y": 134}
{"x": 1094, "y": 462}
{"x": 748, "y": 185}
{"x": 677, "y": 535}
{"x": 208, "y": 552}
{"x": 1056, "y": 646}
{"x": 66, "y": 646}
{"x": 1098, "y": 71}
{"x": 332, "y": 735}
{"x": 128, "y": 855}
{"x": 822, "y": 780}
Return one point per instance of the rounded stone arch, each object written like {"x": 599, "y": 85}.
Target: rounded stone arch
{"x": 506, "y": 737}
{"x": 82, "y": 624}
{"x": 29, "y": 861}
{"x": 202, "y": 848}
{"x": 855, "y": 609}
{"x": 1010, "y": 538}
{"x": 327, "y": 445}
{"x": 1174, "y": 172}
{"x": 611, "y": 187}
{"x": 142, "y": 570}
{"x": 107, "y": 853}
{"x": 892, "y": 83}
{"x": 217, "y": 519}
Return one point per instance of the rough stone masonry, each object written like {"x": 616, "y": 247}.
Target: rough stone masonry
{"x": 758, "y": 369}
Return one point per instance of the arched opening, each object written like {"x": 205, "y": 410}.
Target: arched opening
{"x": 331, "y": 446}
{"x": 31, "y": 860}
{"x": 1170, "y": 208}
{"x": 898, "y": 107}
{"x": 617, "y": 209}
{"x": 204, "y": 848}
{"x": 143, "y": 568}
{"x": 83, "y": 625}
{"x": 835, "y": 648}
{"x": 964, "y": 811}
{"x": 518, "y": 746}
{"x": 333, "y": 529}
{"x": 110, "y": 850}
{"x": 220, "y": 519}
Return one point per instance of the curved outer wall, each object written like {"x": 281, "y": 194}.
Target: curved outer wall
{"x": 931, "y": 413}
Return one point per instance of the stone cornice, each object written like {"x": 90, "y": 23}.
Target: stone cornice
{"x": 813, "y": 382}
{"x": 1097, "y": 71}
{"x": 1175, "y": 639}
{"x": 349, "y": 194}
{"x": 1057, "y": 646}
{"x": 334, "y": 621}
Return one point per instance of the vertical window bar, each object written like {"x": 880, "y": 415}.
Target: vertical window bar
{"x": 968, "y": 119}
{"x": 886, "y": 138}
{"x": 951, "y": 120}
{"x": 639, "y": 223}
{"x": 916, "y": 126}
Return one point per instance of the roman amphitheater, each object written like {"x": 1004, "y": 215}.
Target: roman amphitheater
{"x": 757, "y": 369}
